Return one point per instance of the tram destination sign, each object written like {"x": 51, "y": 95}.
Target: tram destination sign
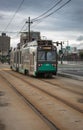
{"x": 47, "y": 47}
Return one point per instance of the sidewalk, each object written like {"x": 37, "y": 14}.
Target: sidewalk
{"x": 71, "y": 62}
{"x": 80, "y": 78}
{"x": 66, "y": 67}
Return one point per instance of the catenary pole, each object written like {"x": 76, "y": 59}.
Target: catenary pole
{"x": 29, "y": 25}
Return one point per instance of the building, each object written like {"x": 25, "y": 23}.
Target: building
{"x": 24, "y": 37}
{"x": 4, "y": 44}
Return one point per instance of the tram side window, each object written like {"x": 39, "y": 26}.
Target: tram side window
{"x": 17, "y": 57}
{"x": 20, "y": 57}
{"x": 22, "y": 60}
{"x": 14, "y": 57}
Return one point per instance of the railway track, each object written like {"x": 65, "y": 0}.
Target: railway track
{"x": 48, "y": 100}
{"x": 13, "y": 106}
{"x": 32, "y": 106}
{"x": 75, "y": 105}
{"x": 67, "y": 87}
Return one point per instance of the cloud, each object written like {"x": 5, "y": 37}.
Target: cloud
{"x": 80, "y": 38}
{"x": 66, "y": 23}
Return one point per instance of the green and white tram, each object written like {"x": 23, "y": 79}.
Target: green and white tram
{"x": 35, "y": 58}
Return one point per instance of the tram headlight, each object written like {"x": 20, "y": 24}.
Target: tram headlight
{"x": 39, "y": 65}
{"x": 54, "y": 65}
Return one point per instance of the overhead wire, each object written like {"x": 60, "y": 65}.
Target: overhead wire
{"x": 19, "y": 31}
{"x": 57, "y": 9}
{"x": 39, "y": 20}
{"x": 14, "y": 15}
{"x": 35, "y": 19}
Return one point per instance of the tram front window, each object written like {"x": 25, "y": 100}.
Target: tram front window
{"x": 41, "y": 55}
{"x": 46, "y": 55}
{"x": 51, "y": 55}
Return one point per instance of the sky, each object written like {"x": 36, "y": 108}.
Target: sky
{"x": 60, "y": 22}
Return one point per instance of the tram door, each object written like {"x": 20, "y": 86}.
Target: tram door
{"x": 32, "y": 58}
{"x": 17, "y": 65}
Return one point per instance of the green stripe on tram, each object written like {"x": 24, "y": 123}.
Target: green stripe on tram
{"x": 46, "y": 67}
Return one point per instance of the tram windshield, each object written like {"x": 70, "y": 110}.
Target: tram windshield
{"x": 47, "y": 55}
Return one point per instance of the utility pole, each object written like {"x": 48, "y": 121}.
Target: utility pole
{"x": 29, "y": 23}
